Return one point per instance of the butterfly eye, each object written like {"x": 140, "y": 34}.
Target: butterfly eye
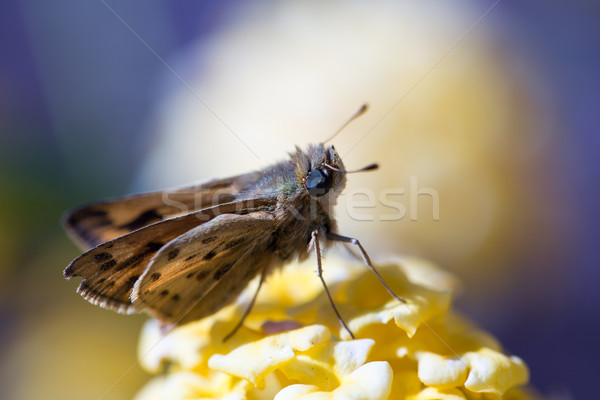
{"x": 318, "y": 182}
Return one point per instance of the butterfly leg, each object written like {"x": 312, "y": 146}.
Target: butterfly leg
{"x": 366, "y": 259}
{"x": 315, "y": 238}
{"x": 263, "y": 275}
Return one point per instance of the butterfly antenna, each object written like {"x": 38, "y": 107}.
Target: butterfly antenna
{"x": 369, "y": 167}
{"x": 357, "y": 114}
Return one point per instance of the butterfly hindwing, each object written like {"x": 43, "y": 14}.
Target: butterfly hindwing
{"x": 100, "y": 222}
{"x": 206, "y": 268}
{"x": 111, "y": 269}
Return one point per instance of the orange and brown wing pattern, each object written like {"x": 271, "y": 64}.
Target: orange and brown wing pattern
{"x": 101, "y": 222}
{"x": 111, "y": 269}
{"x": 206, "y": 268}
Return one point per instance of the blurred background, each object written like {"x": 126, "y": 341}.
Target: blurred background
{"x": 491, "y": 104}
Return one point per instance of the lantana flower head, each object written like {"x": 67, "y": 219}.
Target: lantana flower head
{"x": 292, "y": 347}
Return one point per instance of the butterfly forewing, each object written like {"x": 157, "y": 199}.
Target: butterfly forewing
{"x": 110, "y": 270}
{"x": 100, "y": 222}
{"x": 206, "y": 268}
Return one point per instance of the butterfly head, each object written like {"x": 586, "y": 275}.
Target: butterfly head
{"x": 322, "y": 172}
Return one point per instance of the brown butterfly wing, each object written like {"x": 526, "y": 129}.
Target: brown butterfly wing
{"x": 111, "y": 269}
{"x": 206, "y": 268}
{"x": 100, "y": 222}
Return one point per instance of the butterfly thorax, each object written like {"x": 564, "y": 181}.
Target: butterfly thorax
{"x": 299, "y": 210}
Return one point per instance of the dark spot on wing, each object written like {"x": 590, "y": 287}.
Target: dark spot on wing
{"x": 164, "y": 293}
{"x": 202, "y": 275}
{"x": 146, "y": 218}
{"x": 192, "y": 257}
{"x": 131, "y": 261}
{"x": 88, "y": 212}
{"x": 155, "y": 276}
{"x": 172, "y": 254}
{"x": 108, "y": 265}
{"x": 130, "y": 282}
{"x": 175, "y": 297}
{"x": 209, "y": 255}
{"x": 234, "y": 243}
{"x": 189, "y": 275}
{"x": 154, "y": 246}
{"x": 222, "y": 271}
{"x": 151, "y": 248}
{"x": 86, "y": 221}
{"x": 209, "y": 239}
{"x": 95, "y": 218}
{"x": 102, "y": 256}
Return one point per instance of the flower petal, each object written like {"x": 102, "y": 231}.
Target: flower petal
{"x": 492, "y": 371}
{"x": 442, "y": 372}
{"x": 378, "y": 308}
{"x": 253, "y": 361}
{"x": 324, "y": 366}
{"x": 185, "y": 385}
{"x": 371, "y": 381}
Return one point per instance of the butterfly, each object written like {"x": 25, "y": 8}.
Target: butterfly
{"x": 181, "y": 255}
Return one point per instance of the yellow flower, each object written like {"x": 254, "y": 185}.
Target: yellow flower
{"x": 292, "y": 347}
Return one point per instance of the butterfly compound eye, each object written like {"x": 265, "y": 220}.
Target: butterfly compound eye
{"x": 318, "y": 182}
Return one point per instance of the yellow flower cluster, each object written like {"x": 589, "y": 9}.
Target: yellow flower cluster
{"x": 292, "y": 347}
